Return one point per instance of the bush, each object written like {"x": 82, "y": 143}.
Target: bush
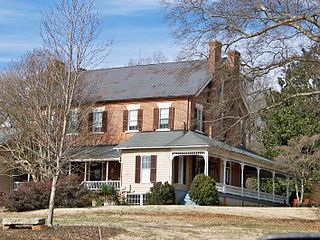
{"x": 203, "y": 191}
{"x": 110, "y": 194}
{"x": 161, "y": 194}
{"x": 36, "y": 195}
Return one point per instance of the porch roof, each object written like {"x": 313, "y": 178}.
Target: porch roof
{"x": 178, "y": 139}
{"x": 97, "y": 153}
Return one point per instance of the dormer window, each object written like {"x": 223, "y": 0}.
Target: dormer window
{"x": 199, "y": 118}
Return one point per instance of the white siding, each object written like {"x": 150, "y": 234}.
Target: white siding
{"x": 128, "y": 159}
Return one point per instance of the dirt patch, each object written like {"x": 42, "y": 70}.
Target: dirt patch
{"x": 62, "y": 232}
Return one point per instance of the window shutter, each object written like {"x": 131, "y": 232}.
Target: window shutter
{"x": 175, "y": 170}
{"x": 138, "y": 167}
{"x": 104, "y": 121}
{"x": 90, "y": 122}
{"x": 153, "y": 170}
{"x": 125, "y": 120}
{"x": 140, "y": 119}
{"x": 171, "y": 118}
{"x": 155, "y": 118}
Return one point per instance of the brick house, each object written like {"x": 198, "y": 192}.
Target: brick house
{"x": 169, "y": 122}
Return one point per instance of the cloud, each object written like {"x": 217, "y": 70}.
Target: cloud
{"x": 126, "y": 7}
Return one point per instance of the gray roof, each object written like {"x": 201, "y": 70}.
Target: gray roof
{"x": 98, "y": 152}
{"x": 149, "y": 81}
{"x": 175, "y": 139}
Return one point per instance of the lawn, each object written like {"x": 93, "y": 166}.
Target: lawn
{"x": 170, "y": 222}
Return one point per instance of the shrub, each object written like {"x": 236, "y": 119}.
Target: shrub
{"x": 161, "y": 194}
{"x": 203, "y": 191}
{"x": 35, "y": 195}
{"x": 110, "y": 194}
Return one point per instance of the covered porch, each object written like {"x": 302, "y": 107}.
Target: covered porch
{"x": 98, "y": 165}
{"x": 239, "y": 174}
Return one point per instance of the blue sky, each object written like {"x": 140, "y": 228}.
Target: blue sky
{"x": 138, "y": 27}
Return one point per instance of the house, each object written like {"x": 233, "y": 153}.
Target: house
{"x": 171, "y": 121}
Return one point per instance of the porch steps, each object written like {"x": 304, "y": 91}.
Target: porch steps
{"x": 187, "y": 200}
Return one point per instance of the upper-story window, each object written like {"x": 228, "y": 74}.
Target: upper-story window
{"x": 73, "y": 122}
{"x": 132, "y": 120}
{"x": 163, "y": 118}
{"x": 199, "y": 117}
{"x": 97, "y": 121}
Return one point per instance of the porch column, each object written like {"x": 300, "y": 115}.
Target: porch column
{"x": 287, "y": 189}
{"x": 224, "y": 174}
{"x": 29, "y": 177}
{"x": 258, "y": 178}
{"x": 85, "y": 171}
{"x": 107, "y": 171}
{"x": 206, "y": 164}
{"x": 242, "y": 177}
{"x": 273, "y": 187}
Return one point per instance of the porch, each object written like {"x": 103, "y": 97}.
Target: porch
{"x": 234, "y": 178}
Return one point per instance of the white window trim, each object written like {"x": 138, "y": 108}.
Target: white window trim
{"x": 148, "y": 181}
{"x": 95, "y": 110}
{"x": 164, "y": 104}
{"x": 133, "y": 107}
{"x": 199, "y": 107}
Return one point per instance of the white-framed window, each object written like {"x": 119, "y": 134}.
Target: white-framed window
{"x": 145, "y": 169}
{"x": 163, "y": 118}
{"x": 199, "y": 117}
{"x": 97, "y": 120}
{"x": 132, "y": 120}
{"x": 73, "y": 123}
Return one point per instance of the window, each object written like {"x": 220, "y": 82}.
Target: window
{"x": 145, "y": 169}
{"x": 73, "y": 123}
{"x": 199, "y": 118}
{"x": 163, "y": 118}
{"x": 132, "y": 119}
{"x": 97, "y": 121}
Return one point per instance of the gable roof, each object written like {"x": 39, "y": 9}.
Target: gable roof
{"x": 174, "y": 79}
{"x": 176, "y": 139}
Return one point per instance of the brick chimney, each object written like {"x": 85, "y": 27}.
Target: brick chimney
{"x": 214, "y": 62}
{"x": 234, "y": 62}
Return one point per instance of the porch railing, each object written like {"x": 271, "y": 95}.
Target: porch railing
{"x": 238, "y": 191}
{"x": 96, "y": 185}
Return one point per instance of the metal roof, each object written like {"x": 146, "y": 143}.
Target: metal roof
{"x": 175, "y": 139}
{"x": 185, "y": 78}
{"x": 98, "y": 152}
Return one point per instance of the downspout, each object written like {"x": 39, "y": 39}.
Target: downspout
{"x": 188, "y": 109}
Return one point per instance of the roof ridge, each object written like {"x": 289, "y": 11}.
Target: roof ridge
{"x": 143, "y": 65}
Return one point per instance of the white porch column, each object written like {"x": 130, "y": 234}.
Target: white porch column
{"x": 273, "y": 187}
{"x": 85, "y": 171}
{"x": 258, "y": 178}
{"x": 29, "y": 177}
{"x": 206, "y": 164}
{"x": 287, "y": 190}
{"x": 224, "y": 174}
{"x": 242, "y": 177}
{"x": 107, "y": 171}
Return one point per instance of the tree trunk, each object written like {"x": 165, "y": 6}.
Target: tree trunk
{"x": 302, "y": 191}
{"x": 297, "y": 190}
{"x": 52, "y": 199}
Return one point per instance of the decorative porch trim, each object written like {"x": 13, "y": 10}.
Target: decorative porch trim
{"x": 189, "y": 153}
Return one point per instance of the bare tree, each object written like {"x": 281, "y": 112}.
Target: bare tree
{"x": 270, "y": 31}
{"x": 45, "y": 95}
{"x": 158, "y": 57}
{"x": 300, "y": 159}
